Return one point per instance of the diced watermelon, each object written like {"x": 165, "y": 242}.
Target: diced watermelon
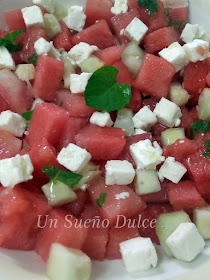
{"x": 98, "y": 9}
{"x": 74, "y": 104}
{"x": 158, "y": 197}
{"x": 64, "y": 39}
{"x": 103, "y": 143}
{"x": 49, "y": 74}
{"x": 160, "y": 39}
{"x": 10, "y": 146}
{"x": 76, "y": 207}
{"x": 150, "y": 102}
{"x": 143, "y": 14}
{"x": 19, "y": 218}
{"x": 157, "y": 129}
{"x": 110, "y": 55}
{"x": 14, "y": 91}
{"x": 3, "y": 104}
{"x": 124, "y": 76}
{"x": 14, "y": 19}
{"x": 208, "y": 62}
{"x": 48, "y": 121}
{"x": 184, "y": 196}
{"x": 186, "y": 118}
{"x": 179, "y": 15}
{"x": 208, "y": 79}
{"x": 113, "y": 207}
{"x": 67, "y": 233}
{"x": 201, "y": 138}
{"x": 154, "y": 76}
{"x": 97, "y": 34}
{"x": 135, "y": 103}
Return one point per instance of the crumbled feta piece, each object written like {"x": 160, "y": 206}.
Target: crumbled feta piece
{"x": 15, "y": 170}
{"x": 168, "y": 113}
{"x": 138, "y": 254}
{"x": 25, "y": 72}
{"x": 122, "y": 32}
{"x": 33, "y": 16}
{"x": 172, "y": 170}
{"x": 42, "y": 46}
{"x": 73, "y": 158}
{"x": 119, "y": 172}
{"x": 146, "y": 155}
{"x": 139, "y": 131}
{"x": 189, "y": 33}
{"x": 78, "y": 82}
{"x": 48, "y": 5}
{"x": 13, "y": 123}
{"x": 198, "y": 50}
{"x": 185, "y": 242}
{"x": 136, "y": 30}
{"x": 80, "y": 52}
{"x": 6, "y": 60}
{"x": 144, "y": 119}
{"x": 120, "y": 6}
{"x": 122, "y": 195}
{"x": 176, "y": 55}
{"x": 36, "y": 101}
{"x": 76, "y": 18}
{"x": 178, "y": 94}
{"x": 101, "y": 119}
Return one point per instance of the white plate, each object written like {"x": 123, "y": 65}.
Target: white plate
{"x": 27, "y": 265}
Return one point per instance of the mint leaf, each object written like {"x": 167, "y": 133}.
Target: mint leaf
{"x": 207, "y": 145}
{"x": 104, "y": 93}
{"x": 13, "y": 36}
{"x": 200, "y": 126}
{"x": 173, "y": 23}
{"x": 100, "y": 201}
{"x": 8, "y": 41}
{"x": 149, "y": 5}
{"x": 207, "y": 152}
{"x": 33, "y": 59}
{"x": 27, "y": 115}
{"x": 66, "y": 177}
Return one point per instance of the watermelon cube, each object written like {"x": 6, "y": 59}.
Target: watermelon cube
{"x": 64, "y": 39}
{"x": 103, "y": 143}
{"x": 143, "y": 14}
{"x": 179, "y": 15}
{"x": 184, "y": 195}
{"x": 188, "y": 117}
{"x": 10, "y": 146}
{"x": 201, "y": 138}
{"x": 208, "y": 79}
{"x": 14, "y": 19}
{"x": 135, "y": 103}
{"x": 3, "y": 104}
{"x": 76, "y": 207}
{"x": 110, "y": 55}
{"x": 123, "y": 76}
{"x": 154, "y": 76}
{"x": 97, "y": 34}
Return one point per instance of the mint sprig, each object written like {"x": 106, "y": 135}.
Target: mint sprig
{"x": 27, "y": 115}
{"x": 200, "y": 126}
{"x": 8, "y": 41}
{"x": 206, "y": 154}
{"x": 149, "y": 5}
{"x": 33, "y": 59}
{"x": 100, "y": 201}
{"x": 104, "y": 93}
{"x": 173, "y": 23}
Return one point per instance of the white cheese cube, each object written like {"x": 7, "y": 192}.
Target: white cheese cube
{"x": 101, "y": 119}
{"x": 78, "y": 82}
{"x": 33, "y": 16}
{"x": 42, "y": 46}
{"x": 120, "y": 6}
{"x": 176, "y": 55}
{"x": 136, "y": 30}
{"x": 36, "y": 101}
{"x": 80, "y": 52}
{"x": 178, "y": 94}
{"x": 168, "y": 113}
{"x": 48, "y": 5}
{"x": 138, "y": 255}
{"x": 185, "y": 242}
{"x": 6, "y": 60}
{"x": 201, "y": 218}
{"x": 15, "y": 170}
{"x": 198, "y": 50}
{"x": 172, "y": 170}
{"x": 144, "y": 119}
{"x": 146, "y": 181}
{"x": 13, "y": 123}
{"x": 25, "y": 72}
{"x": 146, "y": 155}
{"x": 189, "y": 33}
{"x": 76, "y": 18}
{"x": 119, "y": 172}
{"x": 139, "y": 131}
{"x": 73, "y": 158}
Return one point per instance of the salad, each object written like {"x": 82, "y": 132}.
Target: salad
{"x": 104, "y": 134}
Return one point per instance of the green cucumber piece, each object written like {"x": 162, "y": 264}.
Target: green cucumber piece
{"x": 146, "y": 181}
{"x": 201, "y": 218}
{"x": 124, "y": 121}
{"x": 169, "y": 136}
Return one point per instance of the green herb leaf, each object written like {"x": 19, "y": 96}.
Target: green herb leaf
{"x": 149, "y": 5}
{"x": 207, "y": 145}
{"x": 201, "y": 126}
{"x": 207, "y": 152}
{"x": 104, "y": 93}
{"x": 100, "y": 201}
{"x": 173, "y": 23}
{"x": 27, "y": 115}
{"x": 33, "y": 59}
{"x": 8, "y": 41}
{"x": 13, "y": 36}
{"x": 66, "y": 177}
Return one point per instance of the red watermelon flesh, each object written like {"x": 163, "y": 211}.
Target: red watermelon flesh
{"x": 208, "y": 80}
{"x": 135, "y": 103}
{"x": 123, "y": 76}
{"x": 76, "y": 207}
{"x": 158, "y": 197}
{"x": 64, "y": 39}
{"x": 150, "y": 102}
{"x": 3, "y": 104}
{"x": 201, "y": 138}
{"x": 157, "y": 129}
{"x": 103, "y": 143}
{"x": 186, "y": 119}
{"x": 179, "y": 15}
{"x": 110, "y": 55}
{"x": 14, "y": 19}
{"x": 10, "y": 146}
{"x": 143, "y": 14}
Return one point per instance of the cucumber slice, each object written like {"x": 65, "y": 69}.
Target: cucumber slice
{"x": 166, "y": 225}
{"x": 59, "y": 11}
{"x": 169, "y": 136}
{"x": 25, "y": 72}
{"x": 68, "y": 69}
{"x": 201, "y": 218}
{"x": 58, "y": 193}
{"x": 124, "y": 120}
{"x": 91, "y": 64}
{"x": 52, "y": 26}
{"x": 206, "y": 37}
{"x": 146, "y": 181}
{"x": 203, "y": 107}
{"x": 65, "y": 264}
{"x": 178, "y": 94}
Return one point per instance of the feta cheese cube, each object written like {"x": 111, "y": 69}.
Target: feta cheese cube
{"x": 139, "y": 131}
{"x": 78, "y": 82}
{"x": 178, "y": 94}
{"x": 144, "y": 119}
{"x": 168, "y": 113}
{"x": 185, "y": 242}
{"x": 73, "y": 158}
{"x": 136, "y": 30}
{"x": 6, "y": 60}
{"x": 42, "y": 46}
{"x": 13, "y": 123}
{"x": 146, "y": 155}
{"x": 198, "y": 50}
{"x": 172, "y": 170}
{"x": 33, "y": 16}
{"x": 36, "y": 101}
{"x": 80, "y": 52}
{"x": 122, "y": 195}
{"x": 119, "y": 172}
{"x": 189, "y": 33}
{"x": 76, "y": 18}
{"x": 176, "y": 55}
{"x": 15, "y": 170}
{"x": 101, "y": 119}
{"x": 48, "y": 5}
{"x": 146, "y": 181}
{"x": 138, "y": 254}
{"x": 25, "y": 72}
{"x": 120, "y": 6}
